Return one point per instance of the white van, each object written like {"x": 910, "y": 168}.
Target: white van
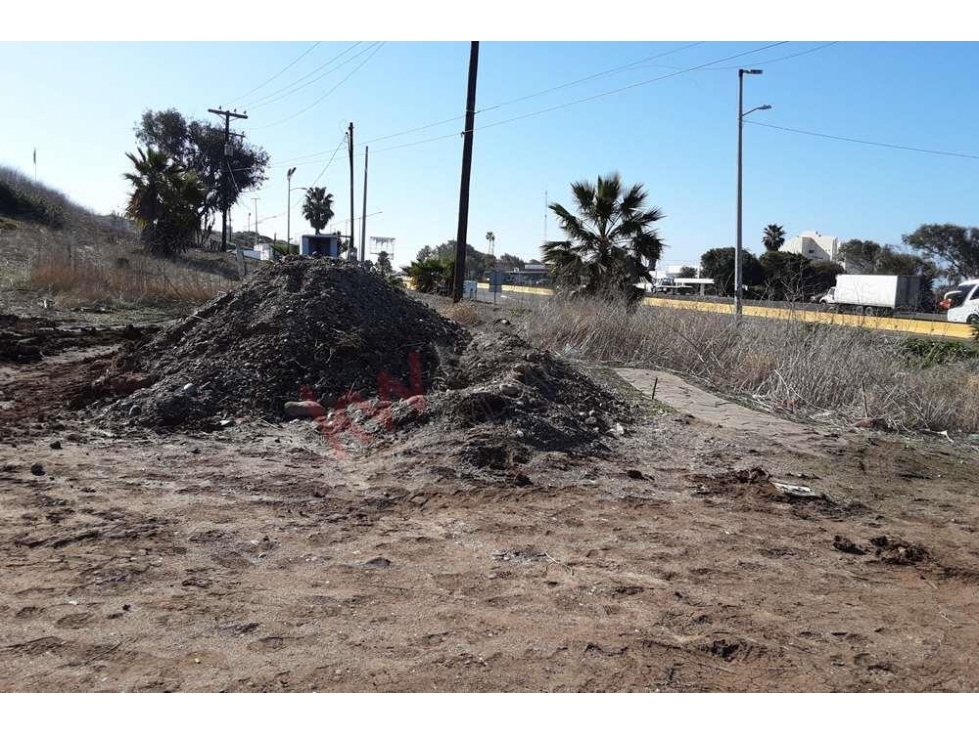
{"x": 964, "y": 307}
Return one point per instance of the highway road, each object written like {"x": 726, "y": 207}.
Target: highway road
{"x": 931, "y": 325}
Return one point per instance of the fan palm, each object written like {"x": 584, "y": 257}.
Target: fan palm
{"x": 611, "y": 243}
{"x": 150, "y": 179}
{"x": 773, "y": 238}
{"x": 318, "y": 208}
{"x": 165, "y": 200}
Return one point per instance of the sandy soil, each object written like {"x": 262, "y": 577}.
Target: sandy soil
{"x": 257, "y": 559}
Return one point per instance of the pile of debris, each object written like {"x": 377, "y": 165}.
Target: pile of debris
{"x": 328, "y": 340}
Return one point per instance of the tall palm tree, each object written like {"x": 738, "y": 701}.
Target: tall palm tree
{"x": 773, "y": 238}
{"x": 318, "y": 208}
{"x": 611, "y": 243}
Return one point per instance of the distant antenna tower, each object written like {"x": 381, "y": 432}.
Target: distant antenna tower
{"x": 490, "y": 243}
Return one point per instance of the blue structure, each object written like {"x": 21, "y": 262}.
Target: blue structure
{"x": 326, "y": 245}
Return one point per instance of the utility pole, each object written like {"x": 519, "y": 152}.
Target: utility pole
{"x": 227, "y": 115}
{"x": 289, "y": 209}
{"x": 363, "y": 221}
{"x": 352, "y": 252}
{"x": 738, "y": 270}
{"x": 467, "y": 159}
{"x": 255, "y": 199}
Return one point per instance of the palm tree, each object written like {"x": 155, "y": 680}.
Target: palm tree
{"x": 165, "y": 201}
{"x": 612, "y": 244}
{"x": 773, "y": 238}
{"x": 318, "y": 208}
{"x": 150, "y": 181}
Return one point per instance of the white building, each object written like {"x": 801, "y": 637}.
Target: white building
{"x": 813, "y": 245}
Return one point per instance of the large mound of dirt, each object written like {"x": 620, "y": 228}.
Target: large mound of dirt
{"x": 365, "y": 359}
{"x": 299, "y": 328}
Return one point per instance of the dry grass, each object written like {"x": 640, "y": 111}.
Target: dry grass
{"x": 800, "y": 368}
{"x": 90, "y": 266}
{"x": 127, "y": 282}
{"x": 463, "y": 313}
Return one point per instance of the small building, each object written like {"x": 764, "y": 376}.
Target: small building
{"x": 813, "y": 245}
{"x": 327, "y": 245}
{"x": 533, "y": 273}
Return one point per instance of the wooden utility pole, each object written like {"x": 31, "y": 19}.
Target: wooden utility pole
{"x": 227, "y": 115}
{"x": 352, "y": 252}
{"x": 363, "y": 220}
{"x": 467, "y": 159}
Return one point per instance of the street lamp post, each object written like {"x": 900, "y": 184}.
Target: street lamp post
{"x": 738, "y": 276}
{"x": 289, "y": 208}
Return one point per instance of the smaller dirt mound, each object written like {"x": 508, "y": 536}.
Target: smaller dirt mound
{"x": 546, "y": 403}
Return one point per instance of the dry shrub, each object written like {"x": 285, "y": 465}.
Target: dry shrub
{"x": 136, "y": 280}
{"x": 463, "y": 313}
{"x": 791, "y": 365}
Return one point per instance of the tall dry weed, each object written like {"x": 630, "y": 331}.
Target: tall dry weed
{"x": 793, "y": 366}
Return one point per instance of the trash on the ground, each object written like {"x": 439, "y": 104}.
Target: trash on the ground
{"x": 795, "y": 490}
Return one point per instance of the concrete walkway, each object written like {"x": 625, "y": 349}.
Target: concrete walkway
{"x": 686, "y": 398}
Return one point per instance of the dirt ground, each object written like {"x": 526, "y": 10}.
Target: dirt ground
{"x": 258, "y": 559}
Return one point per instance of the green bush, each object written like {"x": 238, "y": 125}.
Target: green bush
{"x": 432, "y": 276}
{"x": 925, "y": 353}
{"x": 19, "y": 204}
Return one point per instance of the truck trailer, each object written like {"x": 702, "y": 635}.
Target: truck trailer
{"x": 874, "y": 294}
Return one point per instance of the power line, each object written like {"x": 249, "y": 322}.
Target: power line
{"x": 781, "y": 58}
{"x": 864, "y": 142}
{"x": 455, "y": 118}
{"x": 600, "y": 95}
{"x": 280, "y": 72}
{"x": 607, "y": 72}
{"x": 261, "y": 100}
{"x": 377, "y": 48}
{"x": 275, "y": 99}
{"x": 330, "y": 161}
{"x": 594, "y": 96}
{"x": 575, "y": 82}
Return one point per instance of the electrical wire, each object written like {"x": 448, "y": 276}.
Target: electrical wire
{"x": 335, "y": 150}
{"x": 279, "y": 98}
{"x": 377, "y": 48}
{"x": 539, "y": 93}
{"x": 590, "y": 98}
{"x": 456, "y": 118}
{"x": 864, "y": 142}
{"x": 261, "y": 100}
{"x": 278, "y": 73}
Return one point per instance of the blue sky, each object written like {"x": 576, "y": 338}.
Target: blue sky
{"x": 77, "y": 102}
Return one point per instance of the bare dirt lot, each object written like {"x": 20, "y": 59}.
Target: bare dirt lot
{"x": 258, "y": 559}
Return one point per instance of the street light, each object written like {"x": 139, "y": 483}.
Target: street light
{"x": 289, "y": 207}
{"x": 738, "y": 276}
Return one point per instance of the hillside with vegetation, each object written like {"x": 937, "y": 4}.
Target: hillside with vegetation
{"x": 61, "y": 260}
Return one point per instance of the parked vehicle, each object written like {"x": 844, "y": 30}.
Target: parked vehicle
{"x": 874, "y": 294}
{"x": 963, "y": 303}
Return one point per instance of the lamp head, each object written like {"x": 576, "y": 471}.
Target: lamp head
{"x": 290, "y": 172}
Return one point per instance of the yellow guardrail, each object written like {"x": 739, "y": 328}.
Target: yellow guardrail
{"x": 942, "y": 329}
{"x": 520, "y": 289}
{"x": 937, "y": 329}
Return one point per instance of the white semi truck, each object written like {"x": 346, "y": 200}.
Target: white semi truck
{"x": 874, "y": 294}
